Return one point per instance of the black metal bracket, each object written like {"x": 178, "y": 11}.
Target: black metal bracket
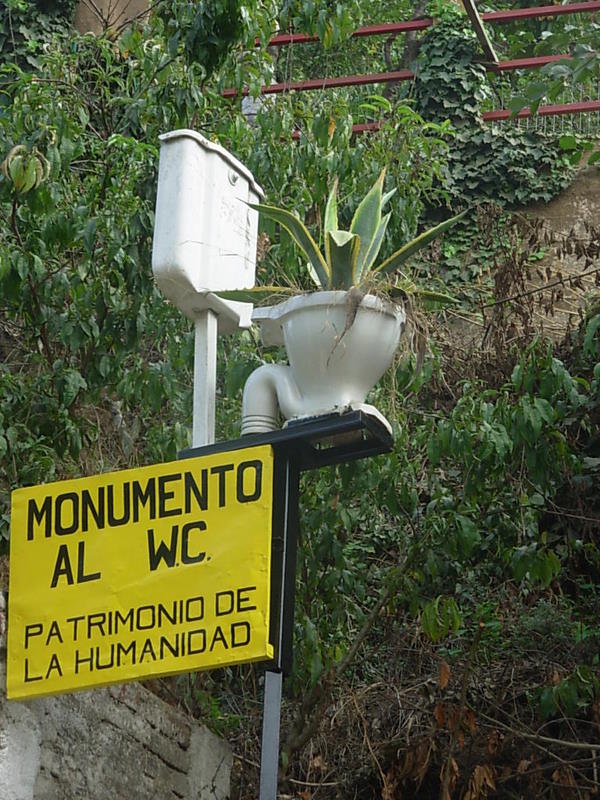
{"x": 316, "y": 441}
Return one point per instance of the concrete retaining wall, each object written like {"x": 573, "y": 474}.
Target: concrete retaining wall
{"x": 118, "y": 743}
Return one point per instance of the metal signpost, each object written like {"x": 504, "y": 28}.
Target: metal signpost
{"x": 301, "y": 446}
{"x": 205, "y": 378}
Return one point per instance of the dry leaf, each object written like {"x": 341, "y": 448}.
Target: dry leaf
{"x": 439, "y": 712}
{"x": 390, "y": 785}
{"x": 484, "y": 777}
{"x": 444, "y": 674}
{"x": 416, "y": 763}
{"x": 453, "y": 718}
{"x": 523, "y": 766}
{"x": 387, "y": 791}
{"x": 480, "y": 783}
{"x": 449, "y": 777}
{"x": 406, "y": 771}
{"x": 469, "y": 720}
{"x": 318, "y": 762}
{"x": 424, "y": 751}
{"x": 262, "y": 246}
{"x": 494, "y": 743}
{"x": 564, "y": 776}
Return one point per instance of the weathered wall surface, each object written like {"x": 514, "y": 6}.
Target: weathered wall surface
{"x": 577, "y": 205}
{"x": 100, "y": 14}
{"x": 118, "y": 743}
{"x": 568, "y": 219}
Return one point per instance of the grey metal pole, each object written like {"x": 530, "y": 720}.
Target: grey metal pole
{"x": 269, "y": 763}
{"x": 269, "y": 759}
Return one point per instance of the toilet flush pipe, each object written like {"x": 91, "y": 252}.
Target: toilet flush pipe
{"x": 269, "y": 389}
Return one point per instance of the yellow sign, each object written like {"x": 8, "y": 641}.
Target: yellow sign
{"x": 142, "y": 572}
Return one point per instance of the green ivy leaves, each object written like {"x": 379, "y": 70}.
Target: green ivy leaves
{"x": 486, "y": 161}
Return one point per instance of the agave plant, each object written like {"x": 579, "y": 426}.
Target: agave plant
{"x": 350, "y": 257}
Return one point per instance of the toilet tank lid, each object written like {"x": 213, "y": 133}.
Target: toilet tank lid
{"x": 186, "y": 133}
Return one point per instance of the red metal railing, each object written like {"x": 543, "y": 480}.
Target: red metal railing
{"x": 541, "y": 11}
{"x": 386, "y": 29}
{"x": 388, "y": 77}
{"x": 383, "y": 29}
{"x": 527, "y": 63}
{"x": 583, "y": 107}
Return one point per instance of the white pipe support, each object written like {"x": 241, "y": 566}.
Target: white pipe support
{"x": 205, "y": 378}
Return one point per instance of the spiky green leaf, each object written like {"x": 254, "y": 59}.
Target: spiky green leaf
{"x": 331, "y": 214}
{"x": 301, "y": 236}
{"x": 342, "y": 250}
{"x": 374, "y": 249}
{"x": 313, "y": 275}
{"x": 426, "y": 295}
{"x": 387, "y": 196}
{"x": 257, "y": 294}
{"x": 410, "y": 248}
{"x": 367, "y": 219}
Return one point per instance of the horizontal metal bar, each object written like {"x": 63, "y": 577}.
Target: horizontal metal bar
{"x": 528, "y": 63}
{"x": 387, "y": 28}
{"x": 583, "y": 107}
{"x": 541, "y": 11}
{"x": 290, "y": 38}
{"x": 383, "y": 29}
{"x": 388, "y": 77}
{"x": 366, "y": 127}
{"x": 329, "y": 83}
{"x": 312, "y": 441}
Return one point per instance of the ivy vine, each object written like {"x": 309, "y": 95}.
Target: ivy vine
{"x": 486, "y": 162}
{"x": 26, "y": 25}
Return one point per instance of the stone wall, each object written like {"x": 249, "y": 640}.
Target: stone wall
{"x": 568, "y": 219}
{"x": 98, "y": 15}
{"x": 117, "y": 743}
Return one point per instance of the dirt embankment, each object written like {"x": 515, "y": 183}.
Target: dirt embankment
{"x": 571, "y": 267}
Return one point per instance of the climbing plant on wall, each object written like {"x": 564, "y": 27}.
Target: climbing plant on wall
{"x": 486, "y": 161}
{"x": 25, "y": 25}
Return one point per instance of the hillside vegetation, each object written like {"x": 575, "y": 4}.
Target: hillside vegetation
{"x": 446, "y": 636}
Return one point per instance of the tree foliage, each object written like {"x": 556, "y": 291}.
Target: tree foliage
{"x": 475, "y": 540}
{"x": 79, "y": 143}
